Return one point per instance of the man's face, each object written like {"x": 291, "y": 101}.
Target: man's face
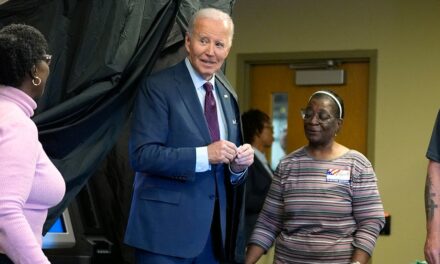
{"x": 208, "y": 46}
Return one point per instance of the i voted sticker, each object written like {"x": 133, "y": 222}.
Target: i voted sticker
{"x": 337, "y": 175}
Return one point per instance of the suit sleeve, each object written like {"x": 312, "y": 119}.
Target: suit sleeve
{"x": 151, "y": 150}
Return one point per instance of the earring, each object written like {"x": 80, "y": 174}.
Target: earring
{"x": 38, "y": 82}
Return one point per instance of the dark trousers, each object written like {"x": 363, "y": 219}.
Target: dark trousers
{"x": 5, "y": 260}
{"x": 205, "y": 257}
{"x": 211, "y": 253}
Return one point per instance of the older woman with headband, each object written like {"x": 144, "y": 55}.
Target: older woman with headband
{"x": 323, "y": 205}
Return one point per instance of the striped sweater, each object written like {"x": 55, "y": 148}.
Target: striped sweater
{"x": 318, "y": 211}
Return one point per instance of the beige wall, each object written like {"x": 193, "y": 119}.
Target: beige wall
{"x": 406, "y": 34}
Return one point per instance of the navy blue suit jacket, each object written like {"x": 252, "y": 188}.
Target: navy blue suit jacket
{"x": 172, "y": 205}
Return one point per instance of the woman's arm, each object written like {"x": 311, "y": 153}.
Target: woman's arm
{"x": 269, "y": 222}
{"x": 367, "y": 207}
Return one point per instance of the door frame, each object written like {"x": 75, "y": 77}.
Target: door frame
{"x": 246, "y": 60}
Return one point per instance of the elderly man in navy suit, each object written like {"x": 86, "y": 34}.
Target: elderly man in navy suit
{"x": 185, "y": 147}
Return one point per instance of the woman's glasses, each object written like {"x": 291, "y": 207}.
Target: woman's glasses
{"x": 47, "y": 58}
{"x": 322, "y": 116}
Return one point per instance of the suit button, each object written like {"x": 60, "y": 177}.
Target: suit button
{"x": 212, "y": 197}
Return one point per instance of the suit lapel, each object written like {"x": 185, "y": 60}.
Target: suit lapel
{"x": 220, "y": 78}
{"x": 188, "y": 93}
{"x": 232, "y": 116}
{"x": 224, "y": 97}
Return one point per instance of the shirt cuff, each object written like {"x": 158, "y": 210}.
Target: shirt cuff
{"x": 202, "y": 162}
{"x": 236, "y": 177}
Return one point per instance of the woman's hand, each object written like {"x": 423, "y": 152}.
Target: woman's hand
{"x": 360, "y": 256}
{"x": 253, "y": 254}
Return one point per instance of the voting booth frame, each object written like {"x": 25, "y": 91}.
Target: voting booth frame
{"x": 68, "y": 242}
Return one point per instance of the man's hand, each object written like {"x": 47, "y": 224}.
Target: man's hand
{"x": 432, "y": 249}
{"x": 221, "y": 151}
{"x": 243, "y": 159}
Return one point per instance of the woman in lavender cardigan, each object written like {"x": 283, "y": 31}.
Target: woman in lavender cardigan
{"x": 29, "y": 182}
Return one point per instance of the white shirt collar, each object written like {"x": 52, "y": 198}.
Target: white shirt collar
{"x": 260, "y": 155}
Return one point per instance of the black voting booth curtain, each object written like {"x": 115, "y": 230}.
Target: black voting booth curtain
{"x": 100, "y": 52}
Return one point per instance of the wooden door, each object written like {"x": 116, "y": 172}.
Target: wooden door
{"x": 266, "y": 80}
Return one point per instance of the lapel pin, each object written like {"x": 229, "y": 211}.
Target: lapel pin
{"x": 226, "y": 96}
{"x": 234, "y": 121}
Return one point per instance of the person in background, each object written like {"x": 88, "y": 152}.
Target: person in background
{"x": 186, "y": 148}
{"x": 323, "y": 205}
{"x": 257, "y": 131}
{"x": 29, "y": 182}
{"x": 432, "y": 197}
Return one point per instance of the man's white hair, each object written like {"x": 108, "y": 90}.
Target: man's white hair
{"x": 215, "y": 14}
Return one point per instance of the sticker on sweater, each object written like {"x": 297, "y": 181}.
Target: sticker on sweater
{"x": 337, "y": 175}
